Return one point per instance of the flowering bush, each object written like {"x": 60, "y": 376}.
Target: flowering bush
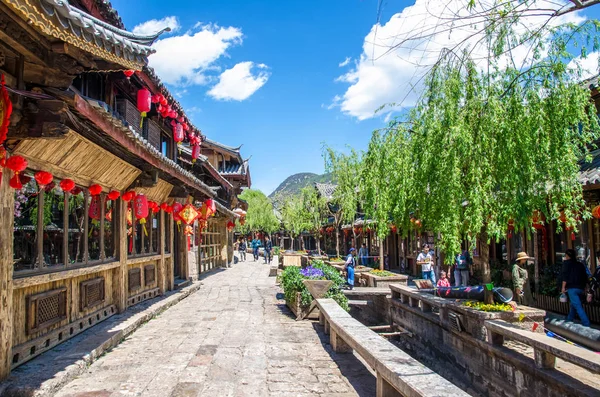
{"x": 382, "y": 273}
{"x": 291, "y": 281}
{"x": 496, "y": 307}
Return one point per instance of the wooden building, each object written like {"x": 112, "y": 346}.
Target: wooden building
{"x": 70, "y": 258}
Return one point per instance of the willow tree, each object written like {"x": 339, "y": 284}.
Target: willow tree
{"x": 293, "y": 216}
{"x": 345, "y": 170}
{"x": 386, "y": 182}
{"x": 260, "y": 215}
{"x": 314, "y": 211}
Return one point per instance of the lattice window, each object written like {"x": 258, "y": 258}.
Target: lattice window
{"x": 46, "y": 309}
{"x": 130, "y": 113}
{"x": 149, "y": 275}
{"x": 153, "y": 134}
{"x": 135, "y": 279}
{"x": 91, "y": 293}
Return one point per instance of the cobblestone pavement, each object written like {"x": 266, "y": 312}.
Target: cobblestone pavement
{"x": 233, "y": 337}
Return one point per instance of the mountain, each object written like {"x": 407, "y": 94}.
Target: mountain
{"x": 293, "y": 184}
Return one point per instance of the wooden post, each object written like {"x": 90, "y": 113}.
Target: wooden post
{"x": 162, "y": 281}
{"x": 536, "y": 263}
{"x": 120, "y": 273}
{"x": 7, "y": 207}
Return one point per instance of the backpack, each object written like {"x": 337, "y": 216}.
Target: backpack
{"x": 461, "y": 262}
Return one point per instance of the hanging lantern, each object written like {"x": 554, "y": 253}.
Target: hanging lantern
{"x": 128, "y": 196}
{"x": 140, "y": 210}
{"x": 17, "y": 164}
{"x": 394, "y": 229}
{"x": 242, "y": 221}
{"x": 188, "y": 214}
{"x": 176, "y": 208}
{"x": 95, "y": 190}
{"x": 230, "y": 226}
{"x": 113, "y": 195}
{"x": 195, "y": 153}
{"x": 155, "y": 98}
{"x": 128, "y": 73}
{"x": 185, "y": 126}
{"x": 169, "y": 209}
{"x": 180, "y": 119}
{"x": 162, "y": 100}
{"x": 173, "y": 114}
{"x": 596, "y": 212}
{"x": 178, "y": 133}
{"x": 108, "y": 215}
{"x": 210, "y": 203}
{"x": 537, "y": 219}
{"x": 511, "y": 227}
{"x": 67, "y": 185}
{"x": 144, "y": 103}
{"x": 5, "y": 110}
{"x": 94, "y": 210}
{"x": 43, "y": 178}
{"x": 164, "y": 206}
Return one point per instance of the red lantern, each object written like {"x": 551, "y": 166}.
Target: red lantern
{"x": 140, "y": 210}
{"x": 195, "y": 153}
{"x": 17, "y": 164}
{"x": 5, "y": 110}
{"x": 128, "y": 196}
{"x": 230, "y": 226}
{"x": 169, "y": 209}
{"x": 180, "y": 119}
{"x": 43, "y": 178}
{"x": 128, "y": 73}
{"x": 186, "y": 127}
{"x": 94, "y": 210}
{"x": 15, "y": 182}
{"x": 95, "y": 190}
{"x": 113, "y": 195}
{"x": 176, "y": 208}
{"x": 173, "y": 114}
{"x": 178, "y": 133}
{"x": 67, "y": 185}
{"x": 511, "y": 227}
{"x": 162, "y": 100}
{"x": 188, "y": 214}
{"x": 210, "y": 203}
{"x": 164, "y": 206}
{"x": 155, "y": 99}
{"x": 108, "y": 216}
{"x": 394, "y": 229}
{"x": 144, "y": 103}
{"x": 596, "y": 212}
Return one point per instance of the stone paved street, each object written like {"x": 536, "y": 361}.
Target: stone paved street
{"x": 233, "y": 337}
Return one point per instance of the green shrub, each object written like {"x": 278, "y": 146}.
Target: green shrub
{"x": 276, "y": 250}
{"x": 291, "y": 281}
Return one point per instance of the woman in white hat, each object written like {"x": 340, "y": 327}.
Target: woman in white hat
{"x": 520, "y": 279}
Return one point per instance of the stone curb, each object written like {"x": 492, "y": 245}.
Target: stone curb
{"x": 52, "y": 386}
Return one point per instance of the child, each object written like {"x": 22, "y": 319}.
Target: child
{"x": 443, "y": 281}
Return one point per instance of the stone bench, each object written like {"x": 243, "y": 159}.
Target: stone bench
{"x": 545, "y": 349}
{"x": 398, "y": 374}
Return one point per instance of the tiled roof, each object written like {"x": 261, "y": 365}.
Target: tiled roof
{"x": 590, "y": 172}
{"x": 205, "y": 163}
{"x": 326, "y": 189}
{"x": 118, "y": 121}
{"x": 224, "y": 147}
{"x": 57, "y": 18}
{"x": 234, "y": 168}
{"x": 109, "y": 13}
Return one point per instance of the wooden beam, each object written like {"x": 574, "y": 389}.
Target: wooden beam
{"x": 6, "y": 274}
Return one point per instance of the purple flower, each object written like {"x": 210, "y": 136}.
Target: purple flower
{"x": 311, "y": 272}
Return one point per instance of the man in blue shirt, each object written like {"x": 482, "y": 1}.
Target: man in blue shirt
{"x": 255, "y": 246}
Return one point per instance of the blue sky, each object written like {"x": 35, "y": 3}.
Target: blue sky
{"x": 284, "y": 77}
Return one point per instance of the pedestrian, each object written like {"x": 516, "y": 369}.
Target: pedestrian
{"x": 267, "y": 249}
{"x": 255, "y": 246}
{"x": 573, "y": 281}
{"x": 443, "y": 281}
{"x": 520, "y": 279}
{"x": 242, "y": 249}
{"x": 363, "y": 254}
{"x": 349, "y": 267}
{"x": 424, "y": 259}
{"x": 462, "y": 268}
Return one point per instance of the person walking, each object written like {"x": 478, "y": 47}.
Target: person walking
{"x": 267, "y": 249}
{"x": 462, "y": 268}
{"x": 349, "y": 267}
{"x": 520, "y": 279}
{"x": 363, "y": 254}
{"x": 424, "y": 259}
{"x": 573, "y": 282}
{"x": 242, "y": 249}
{"x": 255, "y": 246}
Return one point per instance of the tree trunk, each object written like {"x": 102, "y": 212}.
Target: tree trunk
{"x": 318, "y": 244}
{"x": 291, "y": 242}
{"x": 381, "y": 263}
{"x": 337, "y": 242}
{"x": 485, "y": 258}
{"x": 302, "y": 246}
{"x": 536, "y": 263}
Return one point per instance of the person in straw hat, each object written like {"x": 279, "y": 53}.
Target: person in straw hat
{"x": 520, "y": 279}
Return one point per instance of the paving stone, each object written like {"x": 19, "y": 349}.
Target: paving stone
{"x": 233, "y": 337}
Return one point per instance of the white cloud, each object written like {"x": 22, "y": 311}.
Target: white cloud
{"x": 185, "y": 59}
{"x": 589, "y": 65}
{"x": 346, "y": 62}
{"x": 238, "y": 83}
{"x": 156, "y": 25}
{"x": 396, "y": 55}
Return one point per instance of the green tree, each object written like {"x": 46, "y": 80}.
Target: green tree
{"x": 294, "y": 217}
{"x": 314, "y": 211}
{"x": 345, "y": 170}
{"x": 260, "y": 215}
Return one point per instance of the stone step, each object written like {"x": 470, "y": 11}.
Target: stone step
{"x": 354, "y": 302}
{"x": 180, "y": 283}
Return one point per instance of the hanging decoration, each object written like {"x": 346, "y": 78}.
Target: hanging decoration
{"x": 108, "y": 215}
{"x": 511, "y": 227}
{"x": 243, "y": 221}
{"x": 17, "y": 164}
{"x": 5, "y": 110}
{"x": 43, "y": 178}
{"x": 195, "y": 153}
{"x": 188, "y": 214}
{"x": 95, "y": 190}
{"x": 94, "y": 210}
{"x": 113, "y": 195}
{"x": 140, "y": 209}
{"x": 67, "y": 185}
{"x": 177, "y": 133}
{"x": 176, "y": 207}
{"x": 128, "y": 73}
{"x": 230, "y": 226}
{"x": 144, "y": 103}
{"x": 128, "y": 196}
{"x": 596, "y": 212}
{"x": 164, "y": 207}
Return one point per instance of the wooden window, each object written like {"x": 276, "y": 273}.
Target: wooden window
{"x": 135, "y": 279}
{"x": 91, "y": 293}
{"x": 144, "y": 238}
{"x": 46, "y": 309}
{"x": 53, "y": 229}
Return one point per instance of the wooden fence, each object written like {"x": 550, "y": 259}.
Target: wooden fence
{"x": 553, "y": 304}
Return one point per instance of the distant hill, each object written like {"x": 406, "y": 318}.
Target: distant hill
{"x": 293, "y": 184}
